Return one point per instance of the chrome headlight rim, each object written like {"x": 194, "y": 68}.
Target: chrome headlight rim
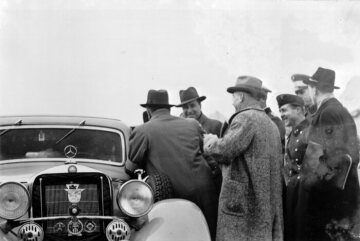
{"x": 27, "y": 196}
{"x": 121, "y": 189}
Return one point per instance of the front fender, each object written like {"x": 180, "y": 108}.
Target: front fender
{"x": 174, "y": 219}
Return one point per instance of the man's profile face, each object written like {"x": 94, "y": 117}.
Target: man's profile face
{"x": 236, "y": 100}
{"x": 290, "y": 115}
{"x": 303, "y": 92}
{"x": 192, "y": 110}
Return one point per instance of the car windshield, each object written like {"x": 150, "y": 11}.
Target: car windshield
{"x": 86, "y": 143}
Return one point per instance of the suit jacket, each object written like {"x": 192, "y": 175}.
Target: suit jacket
{"x": 171, "y": 145}
{"x": 210, "y": 125}
{"x": 250, "y": 205}
{"x": 335, "y": 130}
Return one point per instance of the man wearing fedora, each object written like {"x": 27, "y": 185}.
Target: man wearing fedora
{"x": 250, "y": 204}
{"x": 191, "y": 105}
{"x": 172, "y": 145}
{"x": 333, "y": 186}
{"x": 291, "y": 108}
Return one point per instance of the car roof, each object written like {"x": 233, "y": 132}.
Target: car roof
{"x": 63, "y": 120}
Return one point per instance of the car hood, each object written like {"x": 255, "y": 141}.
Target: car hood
{"x": 23, "y": 170}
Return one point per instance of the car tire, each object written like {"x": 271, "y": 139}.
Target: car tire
{"x": 161, "y": 186}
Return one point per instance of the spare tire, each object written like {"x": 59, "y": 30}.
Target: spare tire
{"x": 161, "y": 186}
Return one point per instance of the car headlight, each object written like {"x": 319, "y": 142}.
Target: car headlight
{"x": 135, "y": 198}
{"x": 14, "y": 200}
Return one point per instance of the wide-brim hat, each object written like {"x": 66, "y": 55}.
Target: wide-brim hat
{"x": 247, "y": 84}
{"x": 323, "y": 79}
{"x": 289, "y": 99}
{"x": 157, "y": 98}
{"x": 189, "y": 95}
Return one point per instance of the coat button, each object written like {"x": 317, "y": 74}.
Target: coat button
{"x": 298, "y": 177}
{"x": 296, "y": 149}
{"x": 301, "y": 132}
{"x": 297, "y": 140}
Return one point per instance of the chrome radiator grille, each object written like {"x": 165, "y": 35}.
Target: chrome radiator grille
{"x": 50, "y": 198}
{"x": 57, "y": 201}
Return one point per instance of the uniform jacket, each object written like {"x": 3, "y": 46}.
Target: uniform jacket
{"x": 295, "y": 206}
{"x": 334, "y": 128}
{"x": 296, "y": 145}
{"x": 250, "y": 206}
{"x": 210, "y": 125}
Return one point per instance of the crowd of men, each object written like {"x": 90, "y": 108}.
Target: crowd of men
{"x": 251, "y": 179}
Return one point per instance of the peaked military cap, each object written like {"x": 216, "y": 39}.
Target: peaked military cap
{"x": 289, "y": 99}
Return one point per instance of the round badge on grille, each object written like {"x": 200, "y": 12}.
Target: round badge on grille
{"x": 117, "y": 230}
{"x": 59, "y": 227}
{"x": 75, "y": 227}
{"x": 31, "y": 232}
{"x": 89, "y": 226}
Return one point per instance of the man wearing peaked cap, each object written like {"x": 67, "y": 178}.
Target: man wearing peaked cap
{"x": 191, "y": 105}
{"x": 171, "y": 145}
{"x": 334, "y": 187}
{"x": 248, "y": 212}
{"x": 291, "y": 108}
{"x": 301, "y": 89}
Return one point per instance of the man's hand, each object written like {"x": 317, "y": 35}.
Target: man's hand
{"x": 209, "y": 140}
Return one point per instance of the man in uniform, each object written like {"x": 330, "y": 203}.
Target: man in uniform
{"x": 171, "y": 145}
{"x": 291, "y": 108}
{"x": 191, "y": 105}
{"x": 331, "y": 178}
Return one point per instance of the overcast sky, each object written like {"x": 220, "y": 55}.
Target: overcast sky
{"x": 99, "y": 58}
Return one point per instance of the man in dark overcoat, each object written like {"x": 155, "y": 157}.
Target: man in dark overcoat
{"x": 172, "y": 146}
{"x": 291, "y": 108}
{"x": 191, "y": 106}
{"x": 333, "y": 184}
{"x": 250, "y": 206}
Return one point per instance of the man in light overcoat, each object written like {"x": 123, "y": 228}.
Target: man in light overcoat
{"x": 250, "y": 205}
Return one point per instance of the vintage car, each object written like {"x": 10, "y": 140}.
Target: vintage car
{"x": 63, "y": 178}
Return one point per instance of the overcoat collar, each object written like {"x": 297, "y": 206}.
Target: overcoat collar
{"x": 160, "y": 113}
{"x": 328, "y": 102}
{"x": 202, "y": 118}
{"x": 245, "y": 109}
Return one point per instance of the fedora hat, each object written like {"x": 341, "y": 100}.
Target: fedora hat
{"x": 323, "y": 79}
{"x": 157, "y": 98}
{"x": 247, "y": 84}
{"x": 189, "y": 95}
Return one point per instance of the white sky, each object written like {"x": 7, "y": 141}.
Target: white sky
{"x": 99, "y": 58}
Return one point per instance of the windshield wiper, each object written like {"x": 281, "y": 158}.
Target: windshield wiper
{"x": 18, "y": 123}
{"x": 70, "y": 132}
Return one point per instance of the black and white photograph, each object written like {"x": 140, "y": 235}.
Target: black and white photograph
{"x": 179, "y": 120}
